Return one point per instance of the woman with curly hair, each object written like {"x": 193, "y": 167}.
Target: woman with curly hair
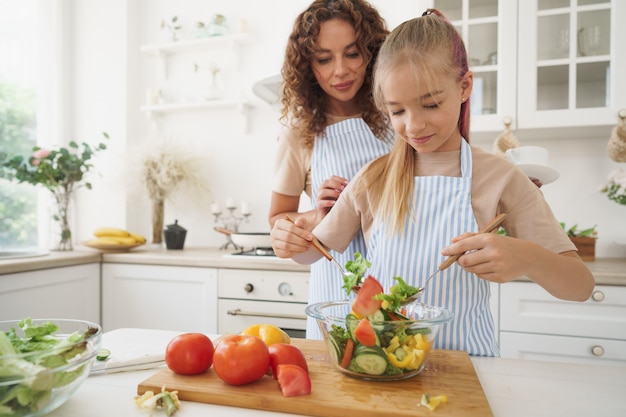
{"x": 332, "y": 126}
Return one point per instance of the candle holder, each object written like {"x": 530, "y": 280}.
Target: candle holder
{"x": 231, "y": 222}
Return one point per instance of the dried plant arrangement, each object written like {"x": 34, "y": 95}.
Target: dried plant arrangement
{"x": 169, "y": 168}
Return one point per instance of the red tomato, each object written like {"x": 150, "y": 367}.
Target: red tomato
{"x": 283, "y": 353}
{"x": 364, "y": 333}
{"x": 364, "y": 304}
{"x": 240, "y": 359}
{"x": 189, "y": 353}
{"x": 293, "y": 380}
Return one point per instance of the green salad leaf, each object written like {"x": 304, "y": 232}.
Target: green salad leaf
{"x": 355, "y": 271}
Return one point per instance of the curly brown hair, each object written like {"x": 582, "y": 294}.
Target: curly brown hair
{"x": 303, "y": 99}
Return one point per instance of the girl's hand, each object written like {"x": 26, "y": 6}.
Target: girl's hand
{"x": 490, "y": 256}
{"x": 289, "y": 239}
{"x": 328, "y": 194}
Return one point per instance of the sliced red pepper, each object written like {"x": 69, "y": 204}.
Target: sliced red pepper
{"x": 347, "y": 354}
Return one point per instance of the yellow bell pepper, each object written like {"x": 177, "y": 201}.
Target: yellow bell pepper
{"x": 267, "y": 333}
{"x": 400, "y": 363}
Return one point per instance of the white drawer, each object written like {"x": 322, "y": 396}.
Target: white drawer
{"x": 562, "y": 349}
{"x": 247, "y": 284}
{"x": 528, "y": 308}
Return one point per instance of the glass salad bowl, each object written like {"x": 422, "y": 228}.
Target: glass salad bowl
{"x": 42, "y": 363}
{"x": 397, "y": 349}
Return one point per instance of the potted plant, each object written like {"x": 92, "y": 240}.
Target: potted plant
{"x": 585, "y": 241}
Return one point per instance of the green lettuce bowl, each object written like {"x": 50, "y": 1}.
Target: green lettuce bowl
{"x": 401, "y": 347}
{"x": 35, "y": 383}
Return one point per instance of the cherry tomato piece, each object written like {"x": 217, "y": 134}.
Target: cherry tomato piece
{"x": 293, "y": 380}
{"x": 240, "y": 359}
{"x": 364, "y": 303}
{"x": 283, "y": 353}
{"x": 365, "y": 334}
{"x": 189, "y": 353}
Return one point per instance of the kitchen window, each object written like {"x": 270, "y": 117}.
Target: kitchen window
{"x": 31, "y": 86}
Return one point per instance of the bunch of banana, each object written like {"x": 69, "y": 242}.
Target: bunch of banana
{"x": 116, "y": 236}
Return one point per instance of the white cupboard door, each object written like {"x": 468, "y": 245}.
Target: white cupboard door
{"x": 66, "y": 293}
{"x": 563, "y": 349}
{"x": 528, "y": 308}
{"x": 159, "y": 297}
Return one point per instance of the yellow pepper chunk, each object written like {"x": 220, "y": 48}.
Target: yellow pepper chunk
{"x": 433, "y": 402}
{"x": 405, "y": 362}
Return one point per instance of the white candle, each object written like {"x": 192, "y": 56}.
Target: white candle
{"x": 215, "y": 208}
{"x": 230, "y": 203}
{"x": 245, "y": 208}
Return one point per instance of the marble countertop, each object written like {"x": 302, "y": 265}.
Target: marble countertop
{"x": 607, "y": 271}
{"x": 513, "y": 387}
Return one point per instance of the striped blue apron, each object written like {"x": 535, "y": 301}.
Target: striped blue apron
{"x": 344, "y": 149}
{"x": 442, "y": 210}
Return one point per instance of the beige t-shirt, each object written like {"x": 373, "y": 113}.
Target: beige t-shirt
{"x": 497, "y": 187}
{"x": 292, "y": 166}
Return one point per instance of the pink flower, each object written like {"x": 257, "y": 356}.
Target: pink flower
{"x": 41, "y": 153}
{"x": 38, "y": 155}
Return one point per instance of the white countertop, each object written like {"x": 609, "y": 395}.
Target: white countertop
{"x": 513, "y": 387}
{"x": 606, "y": 271}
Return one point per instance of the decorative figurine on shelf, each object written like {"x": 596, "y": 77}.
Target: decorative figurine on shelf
{"x": 218, "y": 25}
{"x": 173, "y": 27}
{"x": 200, "y": 30}
{"x": 230, "y": 222}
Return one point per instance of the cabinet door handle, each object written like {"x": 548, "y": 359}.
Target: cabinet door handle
{"x": 597, "y": 350}
{"x": 597, "y": 296}
{"x": 239, "y": 312}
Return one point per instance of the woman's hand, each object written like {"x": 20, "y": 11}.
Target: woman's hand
{"x": 289, "y": 239}
{"x": 328, "y": 194}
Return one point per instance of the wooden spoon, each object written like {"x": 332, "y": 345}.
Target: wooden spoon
{"x": 317, "y": 244}
{"x": 493, "y": 225}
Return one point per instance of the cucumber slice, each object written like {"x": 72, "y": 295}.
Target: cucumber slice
{"x": 352, "y": 322}
{"x": 377, "y": 320}
{"x": 103, "y": 354}
{"x": 372, "y": 360}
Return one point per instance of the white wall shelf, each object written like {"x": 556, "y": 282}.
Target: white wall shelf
{"x": 194, "y": 44}
{"x": 243, "y": 106}
{"x": 167, "y": 50}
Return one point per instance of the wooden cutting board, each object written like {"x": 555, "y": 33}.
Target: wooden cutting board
{"x": 334, "y": 394}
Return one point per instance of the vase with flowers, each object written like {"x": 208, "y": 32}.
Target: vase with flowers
{"x": 61, "y": 171}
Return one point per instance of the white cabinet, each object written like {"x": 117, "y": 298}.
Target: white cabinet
{"x": 544, "y": 64}
{"x": 71, "y": 292}
{"x": 536, "y": 325}
{"x": 159, "y": 297}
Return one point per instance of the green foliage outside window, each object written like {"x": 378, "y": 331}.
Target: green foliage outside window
{"x": 18, "y": 202}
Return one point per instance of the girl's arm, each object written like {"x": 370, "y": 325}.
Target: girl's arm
{"x": 503, "y": 259}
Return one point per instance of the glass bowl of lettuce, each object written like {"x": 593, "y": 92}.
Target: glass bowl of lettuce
{"x": 42, "y": 362}
{"x": 389, "y": 344}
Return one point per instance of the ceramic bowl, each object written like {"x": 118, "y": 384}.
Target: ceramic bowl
{"x": 402, "y": 346}
{"x": 46, "y": 378}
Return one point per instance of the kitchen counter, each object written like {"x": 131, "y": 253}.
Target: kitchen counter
{"x": 151, "y": 255}
{"x": 607, "y": 271}
{"x": 513, "y": 387}
{"x": 52, "y": 260}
